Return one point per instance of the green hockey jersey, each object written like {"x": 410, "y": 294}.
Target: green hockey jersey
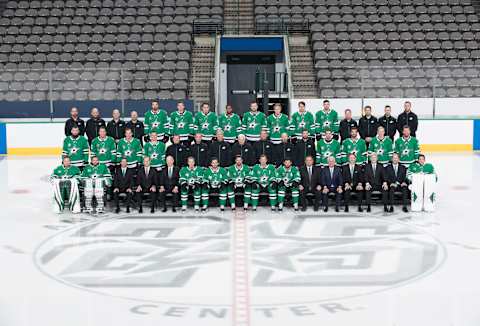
{"x": 231, "y": 126}
{"x": 105, "y": 149}
{"x": 61, "y": 172}
{"x": 408, "y": 149}
{"x": 326, "y": 120}
{"x": 253, "y": 124}
{"x": 76, "y": 149}
{"x": 157, "y": 122}
{"x": 358, "y": 147}
{"x": 156, "y": 152}
{"x": 131, "y": 150}
{"x": 181, "y": 124}
{"x": 277, "y": 126}
{"x": 263, "y": 175}
{"x": 325, "y": 149}
{"x": 416, "y": 167}
{"x": 383, "y": 148}
{"x": 99, "y": 171}
{"x": 206, "y": 124}
{"x": 301, "y": 122}
{"x": 215, "y": 178}
{"x": 238, "y": 176}
{"x": 288, "y": 176}
{"x": 191, "y": 176}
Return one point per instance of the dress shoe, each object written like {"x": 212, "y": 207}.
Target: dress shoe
{"x": 117, "y": 210}
{"x": 369, "y": 209}
{"x": 315, "y": 209}
{"x": 385, "y": 208}
{"x": 347, "y": 209}
{"x": 164, "y": 210}
{"x": 337, "y": 209}
{"x": 325, "y": 209}
{"x": 360, "y": 209}
{"x": 140, "y": 210}
{"x": 391, "y": 209}
{"x": 128, "y": 209}
{"x": 405, "y": 209}
{"x": 152, "y": 210}
{"x": 174, "y": 209}
{"x": 304, "y": 209}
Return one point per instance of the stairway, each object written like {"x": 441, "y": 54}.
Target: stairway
{"x": 302, "y": 70}
{"x": 238, "y": 17}
{"x": 202, "y": 68}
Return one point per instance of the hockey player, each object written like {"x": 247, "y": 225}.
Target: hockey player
{"x": 95, "y": 178}
{"x": 407, "y": 147}
{"x": 326, "y": 147}
{"x": 277, "y": 124}
{"x": 181, "y": 124}
{"x": 423, "y": 178}
{"x": 131, "y": 149}
{"x": 157, "y": 120}
{"x": 215, "y": 179}
{"x": 231, "y": 124}
{"x": 253, "y": 123}
{"x": 156, "y": 151}
{"x": 383, "y": 146}
{"x": 300, "y": 121}
{"x": 116, "y": 126}
{"x": 288, "y": 179}
{"x": 105, "y": 149}
{"x": 238, "y": 175}
{"x": 205, "y": 123}
{"x": 76, "y": 147}
{"x": 263, "y": 177}
{"x": 65, "y": 187}
{"x": 191, "y": 179}
{"x": 356, "y": 146}
{"x": 326, "y": 119}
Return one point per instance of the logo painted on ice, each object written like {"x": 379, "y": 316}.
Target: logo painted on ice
{"x": 171, "y": 260}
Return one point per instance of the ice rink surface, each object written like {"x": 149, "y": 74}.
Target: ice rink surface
{"x": 300, "y": 269}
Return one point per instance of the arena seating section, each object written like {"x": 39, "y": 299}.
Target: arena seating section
{"x": 91, "y": 40}
{"x": 386, "y": 36}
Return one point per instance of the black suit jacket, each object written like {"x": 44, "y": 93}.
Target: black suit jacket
{"x": 315, "y": 180}
{"x": 377, "y": 179}
{"x": 123, "y": 182}
{"x": 327, "y": 180}
{"x": 357, "y": 175}
{"x": 146, "y": 181}
{"x": 401, "y": 176}
{"x": 167, "y": 182}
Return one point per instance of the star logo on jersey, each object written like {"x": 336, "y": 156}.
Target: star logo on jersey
{"x": 276, "y": 128}
{"x": 128, "y": 152}
{"x": 354, "y": 152}
{"x": 227, "y": 127}
{"x": 205, "y": 125}
{"x": 263, "y": 179}
{"x": 380, "y": 151}
{"x": 405, "y": 152}
{"x": 286, "y": 180}
{"x": 74, "y": 150}
{"x": 102, "y": 151}
{"x": 326, "y": 123}
{"x": 238, "y": 181}
{"x": 181, "y": 125}
{"x": 94, "y": 176}
{"x": 327, "y": 154}
{"x": 155, "y": 124}
{"x": 154, "y": 156}
{"x": 302, "y": 124}
{"x": 64, "y": 177}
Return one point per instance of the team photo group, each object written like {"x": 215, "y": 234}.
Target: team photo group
{"x": 230, "y": 161}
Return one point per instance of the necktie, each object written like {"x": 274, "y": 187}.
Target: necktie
{"x": 374, "y": 168}
{"x": 310, "y": 176}
{"x": 169, "y": 172}
{"x": 351, "y": 170}
{"x": 146, "y": 172}
{"x": 395, "y": 167}
{"x": 123, "y": 172}
{"x": 331, "y": 173}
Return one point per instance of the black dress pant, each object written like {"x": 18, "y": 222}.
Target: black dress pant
{"x": 153, "y": 197}
{"x": 368, "y": 195}
{"x": 348, "y": 196}
{"x": 325, "y": 197}
{"x": 303, "y": 198}
{"x": 163, "y": 196}
{"x": 402, "y": 189}
{"x": 116, "y": 197}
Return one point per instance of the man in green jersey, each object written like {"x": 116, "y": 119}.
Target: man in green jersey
{"x": 264, "y": 178}
{"x": 253, "y": 122}
{"x": 64, "y": 180}
{"x": 191, "y": 180}
{"x": 156, "y": 151}
{"x": 326, "y": 119}
{"x": 231, "y": 124}
{"x": 95, "y": 177}
{"x": 277, "y": 124}
{"x": 288, "y": 179}
{"x": 205, "y": 123}
{"x": 382, "y": 145}
{"x": 215, "y": 179}
{"x": 156, "y": 120}
{"x": 76, "y": 148}
{"x": 238, "y": 175}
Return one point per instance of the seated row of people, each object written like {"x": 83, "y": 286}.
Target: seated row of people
{"x": 229, "y": 182}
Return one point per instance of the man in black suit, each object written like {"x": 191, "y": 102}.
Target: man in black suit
{"x": 332, "y": 181}
{"x": 146, "y": 184}
{"x": 179, "y": 151}
{"x": 169, "y": 184}
{"x": 303, "y": 147}
{"x": 375, "y": 180}
{"x": 221, "y": 150}
{"x": 123, "y": 182}
{"x": 353, "y": 181}
{"x": 199, "y": 150}
{"x": 244, "y": 150}
{"x": 397, "y": 181}
{"x": 310, "y": 183}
